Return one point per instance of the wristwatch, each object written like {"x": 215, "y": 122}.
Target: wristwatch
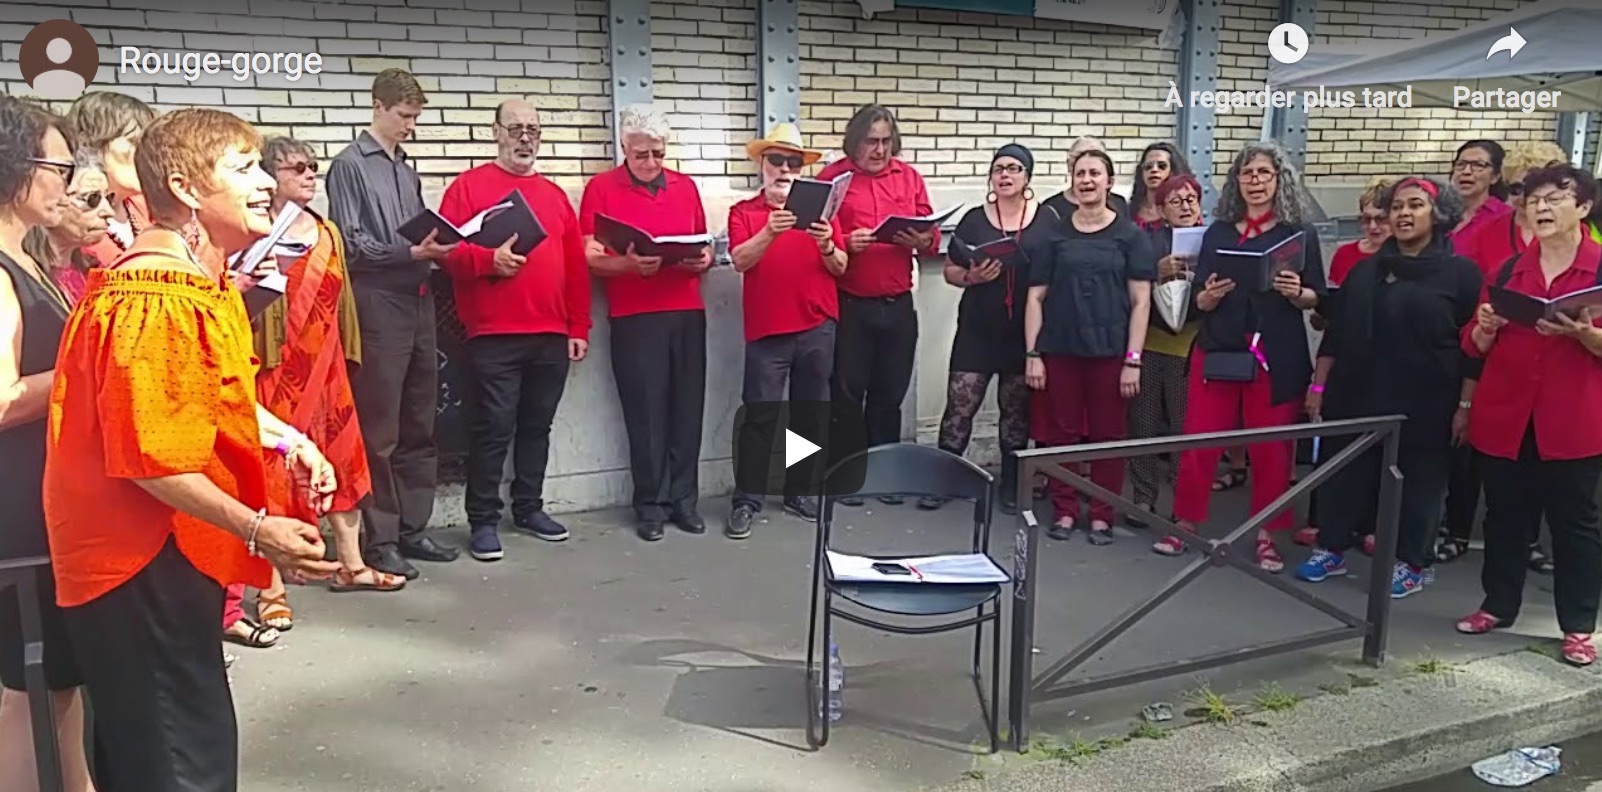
{"x": 1034, "y": 353}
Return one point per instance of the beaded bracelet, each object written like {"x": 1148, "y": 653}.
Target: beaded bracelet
{"x": 255, "y": 525}
{"x": 289, "y": 441}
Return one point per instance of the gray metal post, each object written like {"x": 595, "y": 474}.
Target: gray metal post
{"x": 778, "y": 63}
{"x": 629, "y": 25}
{"x": 1290, "y": 123}
{"x": 1198, "y": 70}
{"x": 1574, "y": 136}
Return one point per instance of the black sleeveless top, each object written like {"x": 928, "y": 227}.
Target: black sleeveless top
{"x": 22, "y": 448}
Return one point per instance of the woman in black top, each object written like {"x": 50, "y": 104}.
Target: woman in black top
{"x": 990, "y": 318}
{"x": 1158, "y": 162}
{"x": 1085, "y": 328}
{"x": 1394, "y": 348}
{"x": 35, "y": 169}
{"x": 1251, "y": 364}
{"x": 1064, "y": 203}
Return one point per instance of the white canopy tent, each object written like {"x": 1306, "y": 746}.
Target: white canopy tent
{"x": 1563, "y": 53}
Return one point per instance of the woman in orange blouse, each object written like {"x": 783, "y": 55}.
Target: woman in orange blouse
{"x": 155, "y": 490}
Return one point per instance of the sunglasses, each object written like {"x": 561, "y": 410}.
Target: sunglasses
{"x": 300, "y": 168}
{"x": 792, "y": 161}
{"x": 64, "y": 169}
{"x": 1155, "y": 165}
{"x": 93, "y": 200}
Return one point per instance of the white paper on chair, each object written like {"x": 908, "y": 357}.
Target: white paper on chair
{"x": 964, "y": 568}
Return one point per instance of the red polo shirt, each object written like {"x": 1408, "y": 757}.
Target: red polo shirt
{"x": 883, "y": 270}
{"x": 674, "y": 209}
{"x": 790, "y": 289}
{"x": 550, "y": 293}
{"x": 1550, "y": 380}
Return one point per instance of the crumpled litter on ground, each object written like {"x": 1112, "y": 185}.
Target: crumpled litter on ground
{"x": 1519, "y": 767}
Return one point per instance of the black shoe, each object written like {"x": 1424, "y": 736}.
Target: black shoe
{"x": 892, "y": 500}
{"x": 689, "y": 522}
{"x": 739, "y": 524}
{"x": 388, "y": 559}
{"x": 803, "y": 507}
{"x": 424, "y": 548}
{"x": 849, "y": 501}
{"x": 1009, "y": 484}
{"x": 1132, "y": 521}
{"x": 541, "y": 526}
{"x": 649, "y": 530}
{"x": 1061, "y": 533}
{"x": 931, "y": 502}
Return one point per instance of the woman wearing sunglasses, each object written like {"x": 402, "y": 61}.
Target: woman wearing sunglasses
{"x": 35, "y": 170}
{"x": 305, "y": 341}
{"x": 1158, "y": 162}
{"x": 84, "y": 221}
{"x": 110, "y": 124}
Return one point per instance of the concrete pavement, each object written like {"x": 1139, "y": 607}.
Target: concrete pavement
{"x": 606, "y": 664}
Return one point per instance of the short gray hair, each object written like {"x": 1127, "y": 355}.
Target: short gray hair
{"x": 89, "y": 158}
{"x": 276, "y": 149}
{"x": 643, "y": 119}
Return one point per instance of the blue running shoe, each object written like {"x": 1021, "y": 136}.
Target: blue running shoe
{"x": 486, "y": 545}
{"x": 1321, "y": 566}
{"x": 1405, "y": 581}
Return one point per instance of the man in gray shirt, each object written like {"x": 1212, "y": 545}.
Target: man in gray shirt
{"x": 372, "y": 190}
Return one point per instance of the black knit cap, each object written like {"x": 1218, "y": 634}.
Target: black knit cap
{"x": 1018, "y": 153}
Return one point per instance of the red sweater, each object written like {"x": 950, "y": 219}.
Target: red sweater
{"x": 551, "y": 293}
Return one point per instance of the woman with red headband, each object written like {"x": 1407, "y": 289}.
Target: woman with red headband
{"x": 1250, "y": 366}
{"x": 1392, "y": 349}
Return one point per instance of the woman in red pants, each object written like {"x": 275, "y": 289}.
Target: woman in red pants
{"x": 1084, "y": 328}
{"x": 1251, "y": 365}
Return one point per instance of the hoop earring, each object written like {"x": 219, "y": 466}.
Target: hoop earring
{"x": 990, "y": 197}
{"x": 1029, "y": 193}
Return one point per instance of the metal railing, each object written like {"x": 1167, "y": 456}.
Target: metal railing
{"x": 21, "y": 573}
{"x": 1025, "y": 688}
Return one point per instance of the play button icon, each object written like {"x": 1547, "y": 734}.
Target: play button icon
{"x": 786, "y": 448}
{"x": 797, "y": 448}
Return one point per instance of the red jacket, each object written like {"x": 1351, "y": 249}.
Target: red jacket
{"x": 551, "y": 293}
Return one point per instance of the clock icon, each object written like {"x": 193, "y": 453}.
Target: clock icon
{"x": 1288, "y": 43}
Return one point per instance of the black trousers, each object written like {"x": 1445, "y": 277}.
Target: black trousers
{"x": 517, "y": 383}
{"x": 804, "y": 361}
{"x": 151, "y": 655}
{"x": 397, "y": 396}
{"x": 1347, "y": 506}
{"x": 873, "y": 358}
{"x": 1463, "y": 494}
{"x": 659, "y": 363}
{"x": 1518, "y": 492}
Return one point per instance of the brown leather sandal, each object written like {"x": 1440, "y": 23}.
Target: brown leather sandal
{"x": 365, "y": 579}
{"x": 274, "y": 612}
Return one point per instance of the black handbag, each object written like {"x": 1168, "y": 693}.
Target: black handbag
{"x": 1229, "y": 367}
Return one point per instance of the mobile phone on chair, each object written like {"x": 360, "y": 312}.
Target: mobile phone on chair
{"x": 886, "y": 568}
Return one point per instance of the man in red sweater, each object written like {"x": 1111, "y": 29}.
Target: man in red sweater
{"x": 790, "y": 301}
{"x": 527, "y": 318}
{"x": 658, "y": 322}
{"x": 878, "y": 335}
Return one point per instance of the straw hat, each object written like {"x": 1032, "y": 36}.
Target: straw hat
{"x": 786, "y": 137}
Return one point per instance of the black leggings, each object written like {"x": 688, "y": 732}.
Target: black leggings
{"x": 965, "y": 394}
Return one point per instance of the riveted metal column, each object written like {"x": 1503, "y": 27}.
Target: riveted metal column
{"x": 1574, "y": 133}
{"x": 1198, "y": 70}
{"x": 630, "y": 27}
{"x": 1290, "y": 123}
{"x": 779, "y": 63}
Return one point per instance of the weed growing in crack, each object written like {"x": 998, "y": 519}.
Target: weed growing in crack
{"x": 1273, "y": 698}
{"x": 1211, "y": 707}
{"x": 1147, "y": 731}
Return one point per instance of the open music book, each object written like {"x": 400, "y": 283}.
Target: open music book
{"x": 815, "y": 201}
{"x": 489, "y": 228}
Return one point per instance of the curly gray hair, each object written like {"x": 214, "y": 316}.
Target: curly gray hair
{"x": 1290, "y": 206}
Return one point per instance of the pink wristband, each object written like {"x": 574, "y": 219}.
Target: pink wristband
{"x": 1316, "y": 388}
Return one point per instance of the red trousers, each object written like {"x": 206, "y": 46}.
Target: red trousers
{"x": 233, "y": 604}
{"x": 1221, "y": 406}
{"x": 1081, "y": 402}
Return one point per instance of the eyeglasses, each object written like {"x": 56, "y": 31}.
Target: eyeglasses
{"x": 1155, "y": 165}
{"x": 1550, "y": 199}
{"x": 1183, "y": 201}
{"x": 877, "y": 142}
{"x": 1473, "y": 166}
{"x": 1375, "y": 219}
{"x": 63, "y": 169}
{"x": 1515, "y": 189}
{"x": 1012, "y": 169}
{"x": 517, "y": 131}
{"x": 92, "y": 201}
{"x": 300, "y": 168}
{"x": 1258, "y": 176}
{"x": 646, "y": 154}
{"x": 792, "y": 161}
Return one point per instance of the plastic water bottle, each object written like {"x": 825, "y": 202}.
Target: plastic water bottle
{"x": 836, "y": 700}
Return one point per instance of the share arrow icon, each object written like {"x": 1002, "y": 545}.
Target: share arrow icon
{"x": 1512, "y": 42}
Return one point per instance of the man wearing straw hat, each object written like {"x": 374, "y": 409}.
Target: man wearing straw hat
{"x": 790, "y": 307}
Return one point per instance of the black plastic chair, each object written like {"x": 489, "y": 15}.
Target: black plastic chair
{"x": 906, "y": 470}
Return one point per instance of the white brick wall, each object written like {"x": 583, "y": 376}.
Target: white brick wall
{"x": 962, "y": 83}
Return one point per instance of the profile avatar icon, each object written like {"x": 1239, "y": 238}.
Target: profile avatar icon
{"x": 58, "y": 59}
